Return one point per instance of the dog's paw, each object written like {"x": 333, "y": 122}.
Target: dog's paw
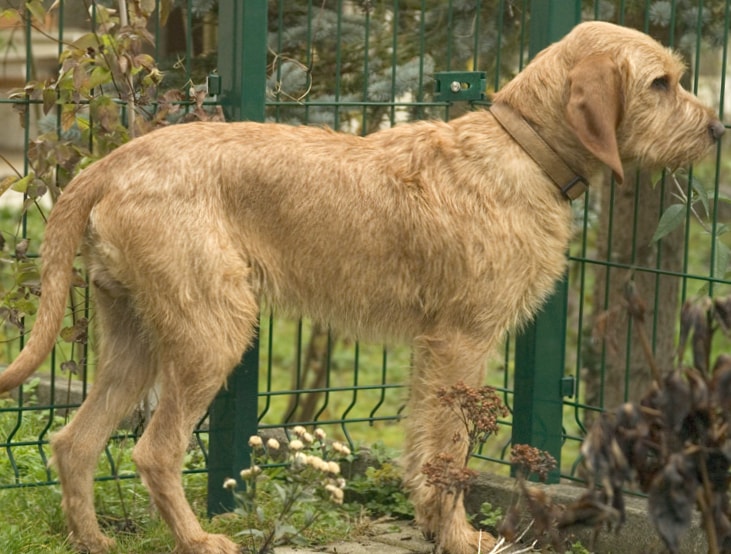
{"x": 92, "y": 543}
{"x": 464, "y": 540}
{"x": 209, "y": 544}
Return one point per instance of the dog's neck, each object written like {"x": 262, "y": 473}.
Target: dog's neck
{"x": 569, "y": 182}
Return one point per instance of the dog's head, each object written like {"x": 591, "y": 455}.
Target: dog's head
{"x": 621, "y": 96}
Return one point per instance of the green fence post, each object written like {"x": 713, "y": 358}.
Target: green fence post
{"x": 539, "y": 350}
{"x": 242, "y": 49}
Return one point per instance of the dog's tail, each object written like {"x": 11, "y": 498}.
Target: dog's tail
{"x": 64, "y": 232}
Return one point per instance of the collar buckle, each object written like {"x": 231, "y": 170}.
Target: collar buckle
{"x": 574, "y": 188}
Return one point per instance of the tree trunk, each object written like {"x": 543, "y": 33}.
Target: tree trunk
{"x": 618, "y": 370}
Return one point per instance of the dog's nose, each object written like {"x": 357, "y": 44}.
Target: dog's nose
{"x": 716, "y": 129}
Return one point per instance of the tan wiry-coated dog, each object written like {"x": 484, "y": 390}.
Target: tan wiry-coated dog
{"x": 445, "y": 234}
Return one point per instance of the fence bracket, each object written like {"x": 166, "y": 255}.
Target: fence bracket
{"x": 460, "y": 86}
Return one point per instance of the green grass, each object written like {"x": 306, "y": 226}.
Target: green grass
{"x": 33, "y": 521}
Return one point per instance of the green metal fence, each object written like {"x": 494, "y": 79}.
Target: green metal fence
{"x": 359, "y": 66}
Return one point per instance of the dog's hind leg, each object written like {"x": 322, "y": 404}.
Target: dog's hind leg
{"x": 432, "y": 429}
{"x": 124, "y": 372}
{"x": 197, "y": 348}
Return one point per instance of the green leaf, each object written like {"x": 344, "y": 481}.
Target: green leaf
{"x": 49, "y": 99}
{"x": 720, "y": 265}
{"x": 21, "y": 185}
{"x": 252, "y": 532}
{"x": 671, "y": 219}
{"x": 28, "y": 276}
{"x": 282, "y": 530}
{"x": 84, "y": 42}
{"x": 105, "y": 112}
{"x": 99, "y": 76}
{"x": 78, "y": 332}
{"x": 702, "y": 194}
{"x": 25, "y": 306}
{"x": 144, "y": 60}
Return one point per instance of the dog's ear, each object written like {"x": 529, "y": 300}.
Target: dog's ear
{"x": 595, "y": 108}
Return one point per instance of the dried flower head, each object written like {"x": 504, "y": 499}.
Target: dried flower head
{"x": 229, "y": 484}
{"x": 296, "y": 445}
{"x": 478, "y": 408}
{"x": 532, "y": 460}
{"x": 255, "y": 441}
{"x": 447, "y": 475}
{"x": 273, "y": 444}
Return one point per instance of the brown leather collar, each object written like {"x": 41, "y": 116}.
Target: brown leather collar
{"x": 571, "y": 184}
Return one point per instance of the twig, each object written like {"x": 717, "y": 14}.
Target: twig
{"x": 636, "y": 310}
{"x": 705, "y": 496}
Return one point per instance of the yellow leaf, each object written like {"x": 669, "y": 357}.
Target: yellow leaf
{"x": 35, "y": 7}
{"x": 68, "y": 116}
{"x": 166, "y": 6}
{"x": 8, "y": 182}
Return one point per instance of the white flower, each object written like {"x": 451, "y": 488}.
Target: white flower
{"x": 273, "y": 444}
{"x": 255, "y": 441}
{"x": 296, "y": 445}
{"x": 317, "y": 463}
{"x": 299, "y": 430}
{"x": 300, "y": 458}
{"x": 229, "y": 484}
{"x": 253, "y": 471}
{"x": 309, "y": 439}
{"x": 340, "y": 448}
{"x": 336, "y": 494}
{"x": 320, "y": 434}
{"x": 333, "y": 467}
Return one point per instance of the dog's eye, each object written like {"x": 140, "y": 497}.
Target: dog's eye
{"x": 661, "y": 83}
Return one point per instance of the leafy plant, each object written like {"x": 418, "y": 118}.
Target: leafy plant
{"x": 673, "y": 444}
{"x": 381, "y": 492}
{"x": 694, "y": 201}
{"x": 302, "y": 487}
{"x": 107, "y": 91}
{"x": 489, "y": 515}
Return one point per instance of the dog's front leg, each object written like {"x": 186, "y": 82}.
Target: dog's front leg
{"x": 432, "y": 429}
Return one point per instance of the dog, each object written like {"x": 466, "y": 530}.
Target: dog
{"x": 445, "y": 234}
